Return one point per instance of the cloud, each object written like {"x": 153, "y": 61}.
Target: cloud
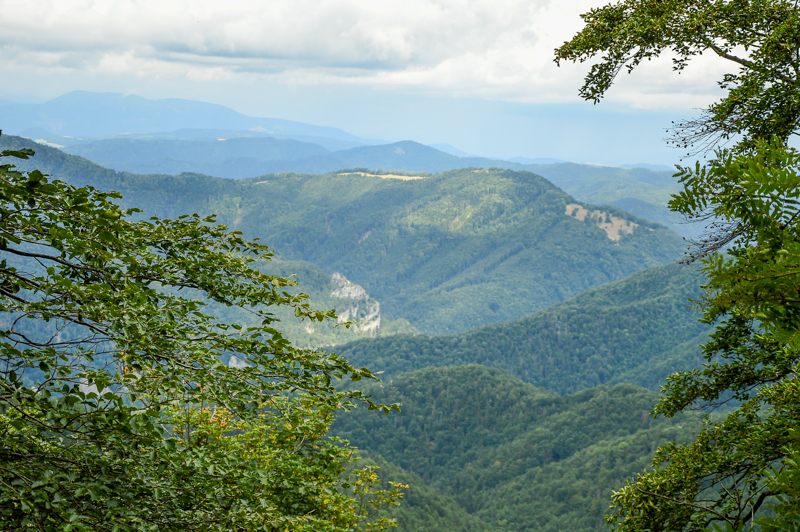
{"x": 499, "y": 49}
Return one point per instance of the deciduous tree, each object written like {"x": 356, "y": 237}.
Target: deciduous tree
{"x": 748, "y": 197}
{"x": 759, "y": 38}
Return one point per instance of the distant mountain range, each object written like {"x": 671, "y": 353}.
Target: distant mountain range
{"x": 448, "y": 252}
{"x": 92, "y": 114}
{"x": 173, "y": 136}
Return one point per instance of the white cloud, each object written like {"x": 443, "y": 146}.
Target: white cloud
{"x": 500, "y": 49}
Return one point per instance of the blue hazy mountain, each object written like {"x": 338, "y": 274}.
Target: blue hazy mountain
{"x": 92, "y": 114}
{"x": 655, "y": 167}
{"x": 223, "y": 157}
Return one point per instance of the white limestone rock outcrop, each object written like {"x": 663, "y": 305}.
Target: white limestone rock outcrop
{"x": 358, "y": 307}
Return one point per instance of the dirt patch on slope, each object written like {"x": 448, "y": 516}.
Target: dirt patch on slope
{"x": 614, "y": 226}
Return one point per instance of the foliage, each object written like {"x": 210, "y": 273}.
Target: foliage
{"x": 518, "y": 457}
{"x": 748, "y": 196}
{"x": 786, "y": 485}
{"x": 637, "y": 330}
{"x": 752, "y": 356}
{"x": 760, "y": 37}
{"x": 117, "y": 412}
{"x": 427, "y": 249}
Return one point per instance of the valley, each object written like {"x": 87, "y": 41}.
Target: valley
{"x": 525, "y": 330}
{"x": 419, "y": 266}
{"x": 514, "y": 456}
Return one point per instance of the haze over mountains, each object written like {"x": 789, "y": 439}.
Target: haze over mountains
{"x": 525, "y": 312}
{"x": 92, "y": 114}
{"x": 134, "y": 134}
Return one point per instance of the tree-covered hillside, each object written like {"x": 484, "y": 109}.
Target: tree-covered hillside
{"x": 448, "y": 252}
{"x": 643, "y": 192}
{"x": 518, "y": 457}
{"x": 637, "y": 330}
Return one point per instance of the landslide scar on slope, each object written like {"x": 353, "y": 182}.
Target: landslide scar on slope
{"x": 614, "y": 226}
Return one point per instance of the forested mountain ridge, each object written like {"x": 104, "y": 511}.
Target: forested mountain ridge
{"x": 120, "y": 130}
{"x": 637, "y": 330}
{"x": 518, "y": 457}
{"x": 640, "y": 191}
{"x": 448, "y": 252}
{"x": 643, "y": 192}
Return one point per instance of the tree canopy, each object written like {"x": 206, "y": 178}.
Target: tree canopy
{"x": 752, "y": 356}
{"x": 748, "y": 198}
{"x": 117, "y": 409}
{"x": 761, "y": 39}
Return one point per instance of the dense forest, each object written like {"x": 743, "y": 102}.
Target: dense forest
{"x": 507, "y": 452}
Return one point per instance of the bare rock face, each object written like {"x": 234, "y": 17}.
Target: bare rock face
{"x": 350, "y": 291}
{"x": 339, "y": 280}
{"x": 362, "y": 310}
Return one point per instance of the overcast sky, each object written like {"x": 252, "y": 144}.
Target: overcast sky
{"x": 477, "y": 74}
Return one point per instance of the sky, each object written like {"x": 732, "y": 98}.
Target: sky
{"x": 477, "y": 74}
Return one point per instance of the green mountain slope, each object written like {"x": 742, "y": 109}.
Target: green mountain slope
{"x": 423, "y": 508}
{"x": 640, "y": 191}
{"x": 516, "y": 456}
{"x": 636, "y": 330}
{"x": 448, "y": 252}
